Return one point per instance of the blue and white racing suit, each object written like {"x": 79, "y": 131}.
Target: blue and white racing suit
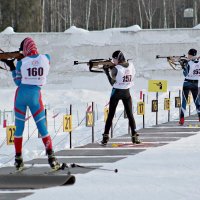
{"x": 29, "y": 76}
{"x": 191, "y": 84}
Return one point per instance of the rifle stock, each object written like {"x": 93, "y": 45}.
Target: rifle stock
{"x": 174, "y": 61}
{"x": 11, "y": 55}
{"x": 96, "y": 65}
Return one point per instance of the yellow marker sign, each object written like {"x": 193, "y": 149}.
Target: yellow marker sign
{"x": 10, "y": 130}
{"x": 154, "y": 106}
{"x": 67, "y": 123}
{"x": 177, "y": 102}
{"x": 89, "y": 119}
{"x": 157, "y": 86}
{"x": 106, "y": 110}
{"x": 140, "y": 108}
{"x": 167, "y": 104}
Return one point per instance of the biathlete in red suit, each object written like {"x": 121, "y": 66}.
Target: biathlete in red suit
{"x": 29, "y": 75}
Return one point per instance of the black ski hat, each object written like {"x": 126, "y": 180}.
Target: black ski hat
{"x": 192, "y": 52}
{"x": 119, "y": 56}
{"x": 22, "y": 45}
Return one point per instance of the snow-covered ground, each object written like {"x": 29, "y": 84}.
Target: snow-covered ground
{"x": 167, "y": 172}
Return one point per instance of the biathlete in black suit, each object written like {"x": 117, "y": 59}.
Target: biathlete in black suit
{"x": 121, "y": 79}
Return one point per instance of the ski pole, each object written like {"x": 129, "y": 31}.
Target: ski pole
{"x": 73, "y": 165}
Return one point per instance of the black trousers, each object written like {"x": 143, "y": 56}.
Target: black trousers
{"x": 124, "y": 95}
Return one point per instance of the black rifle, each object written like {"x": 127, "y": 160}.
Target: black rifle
{"x": 96, "y": 65}
{"x": 174, "y": 61}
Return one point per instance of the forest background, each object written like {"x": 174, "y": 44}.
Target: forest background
{"x": 59, "y": 15}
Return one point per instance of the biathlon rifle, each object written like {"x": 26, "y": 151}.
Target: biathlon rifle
{"x": 97, "y": 65}
{"x": 10, "y": 56}
{"x": 174, "y": 61}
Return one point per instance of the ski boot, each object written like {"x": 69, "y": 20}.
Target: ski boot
{"x": 105, "y": 139}
{"x": 19, "y": 164}
{"x": 135, "y": 139}
{"x": 54, "y": 164}
{"x": 181, "y": 122}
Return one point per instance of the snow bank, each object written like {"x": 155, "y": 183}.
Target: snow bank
{"x": 8, "y": 30}
{"x": 134, "y": 28}
{"x": 197, "y": 26}
{"x": 74, "y": 29}
{"x": 137, "y": 44}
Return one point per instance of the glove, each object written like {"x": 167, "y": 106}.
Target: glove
{"x": 9, "y": 63}
{"x": 106, "y": 69}
{"x": 183, "y": 63}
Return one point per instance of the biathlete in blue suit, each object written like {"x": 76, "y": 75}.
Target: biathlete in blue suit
{"x": 191, "y": 71}
{"x": 29, "y": 75}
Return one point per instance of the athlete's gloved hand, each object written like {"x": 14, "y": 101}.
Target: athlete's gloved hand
{"x": 10, "y": 64}
{"x": 106, "y": 69}
{"x": 183, "y": 63}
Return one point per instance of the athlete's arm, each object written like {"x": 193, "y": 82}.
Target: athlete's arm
{"x": 16, "y": 74}
{"x": 111, "y": 78}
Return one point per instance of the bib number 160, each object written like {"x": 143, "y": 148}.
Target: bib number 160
{"x": 35, "y": 71}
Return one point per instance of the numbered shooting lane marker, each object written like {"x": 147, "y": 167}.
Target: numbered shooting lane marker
{"x": 177, "y": 102}
{"x": 67, "y": 123}
{"x": 167, "y": 104}
{"x": 89, "y": 119}
{"x": 154, "y": 106}
{"x": 140, "y": 108}
{"x": 10, "y": 130}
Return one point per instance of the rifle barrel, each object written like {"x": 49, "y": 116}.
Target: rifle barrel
{"x": 77, "y": 62}
{"x": 158, "y": 56}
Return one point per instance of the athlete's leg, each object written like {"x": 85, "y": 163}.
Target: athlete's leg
{"x": 185, "y": 93}
{"x": 38, "y": 112}
{"x": 196, "y": 98}
{"x": 128, "y": 108}
{"x": 112, "y": 108}
{"x": 20, "y": 114}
